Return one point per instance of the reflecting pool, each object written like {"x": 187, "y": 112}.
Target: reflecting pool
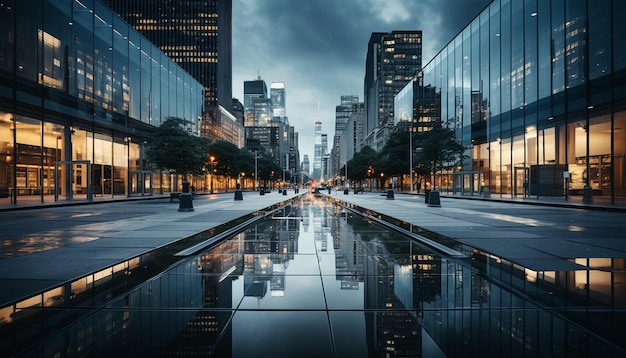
{"x": 317, "y": 280}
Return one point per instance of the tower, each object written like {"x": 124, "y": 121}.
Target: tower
{"x": 277, "y": 94}
{"x": 392, "y": 61}
{"x": 197, "y": 35}
{"x": 319, "y": 150}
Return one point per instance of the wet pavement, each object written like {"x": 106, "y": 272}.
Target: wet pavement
{"x": 522, "y": 273}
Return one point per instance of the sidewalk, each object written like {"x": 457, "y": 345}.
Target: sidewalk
{"x": 54, "y": 245}
{"x": 49, "y": 246}
{"x": 542, "y": 236}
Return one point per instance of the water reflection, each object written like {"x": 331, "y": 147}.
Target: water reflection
{"x": 318, "y": 281}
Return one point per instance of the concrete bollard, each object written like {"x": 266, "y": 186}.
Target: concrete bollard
{"x": 238, "y": 193}
{"x": 434, "y": 199}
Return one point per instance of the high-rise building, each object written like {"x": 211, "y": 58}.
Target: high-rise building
{"x": 536, "y": 92}
{"x": 392, "y": 61}
{"x": 253, "y": 90}
{"x": 197, "y": 35}
{"x": 343, "y": 111}
{"x": 372, "y": 68}
{"x": 262, "y": 112}
{"x": 80, "y": 90}
{"x": 306, "y": 165}
{"x": 318, "y": 152}
{"x": 277, "y": 94}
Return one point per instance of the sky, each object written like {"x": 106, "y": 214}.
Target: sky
{"x": 318, "y": 48}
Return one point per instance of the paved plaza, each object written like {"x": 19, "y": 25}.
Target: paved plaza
{"x": 46, "y": 246}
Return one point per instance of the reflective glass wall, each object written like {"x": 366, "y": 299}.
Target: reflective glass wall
{"x": 78, "y": 89}
{"x": 536, "y": 90}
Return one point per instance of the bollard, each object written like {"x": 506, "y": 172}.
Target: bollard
{"x": 434, "y": 199}
{"x": 262, "y": 191}
{"x": 185, "y": 199}
{"x": 390, "y": 195}
{"x": 238, "y": 193}
{"x": 426, "y": 195}
{"x": 186, "y": 204}
{"x": 587, "y": 195}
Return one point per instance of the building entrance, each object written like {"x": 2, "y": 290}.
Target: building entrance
{"x": 73, "y": 180}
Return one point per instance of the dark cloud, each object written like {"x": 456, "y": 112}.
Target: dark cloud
{"x": 318, "y": 47}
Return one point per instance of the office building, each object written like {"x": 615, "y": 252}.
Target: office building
{"x": 277, "y": 94}
{"x": 319, "y": 151}
{"x": 343, "y": 111}
{"x": 197, "y": 35}
{"x": 392, "y": 61}
{"x": 79, "y": 90}
{"x": 252, "y": 91}
{"x": 536, "y": 91}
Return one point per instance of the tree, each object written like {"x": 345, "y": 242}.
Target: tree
{"x": 172, "y": 147}
{"x": 361, "y": 162}
{"x": 268, "y": 168}
{"x": 438, "y": 149}
{"x": 226, "y": 155}
{"x": 394, "y": 157}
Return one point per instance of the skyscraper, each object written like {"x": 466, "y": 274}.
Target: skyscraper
{"x": 197, "y": 35}
{"x": 343, "y": 111}
{"x": 319, "y": 151}
{"x": 252, "y": 91}
{"x": 392, "y": 61}
{"x": 277, "y": 94}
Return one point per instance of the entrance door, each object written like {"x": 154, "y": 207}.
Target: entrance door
{"x": 73, "y": 180}
{"x": 521, "y": 185}
{"x": 141, "y": 182}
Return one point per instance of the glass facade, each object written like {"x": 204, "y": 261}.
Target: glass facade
{"x": 79, "y": 88}
{"x": 536, "y": 91}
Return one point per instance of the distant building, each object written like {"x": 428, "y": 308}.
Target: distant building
{"x": 393, "y": 59}
{"x": 277, "y": 94}
{"x": 238, "y": 111}
{"x": 318, "y": 152}
{"x": 306, "y": 165}
{"x": 254, "y": 90}
{"x": 343, "y": 111}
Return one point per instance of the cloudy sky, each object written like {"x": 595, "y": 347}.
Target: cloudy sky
{"x": 318, "y": 48}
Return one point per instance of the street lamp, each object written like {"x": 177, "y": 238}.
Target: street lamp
{"x": 256, "y": 170}
{"x": 411, "y": 159}
{"x": 128, "y": 140}
{"x": 212, "y": 169}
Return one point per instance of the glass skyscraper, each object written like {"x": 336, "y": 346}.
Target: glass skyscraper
{"x": 197, "y": 35}
{"x": 536, "y": 91}
{"x": 79, "y": 88}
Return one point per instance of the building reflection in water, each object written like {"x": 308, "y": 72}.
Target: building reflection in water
{"x": 382, "y": 295}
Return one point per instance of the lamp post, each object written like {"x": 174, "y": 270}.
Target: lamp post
{"x": 256, "y": 170}
{"x": 346, "y": 187}
{"x": 411, "y": 159}
{"x": 212, "y": 164}
{"x": 128, "y": 140}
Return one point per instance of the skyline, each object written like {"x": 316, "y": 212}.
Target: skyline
{"x": 318, "y": 49}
